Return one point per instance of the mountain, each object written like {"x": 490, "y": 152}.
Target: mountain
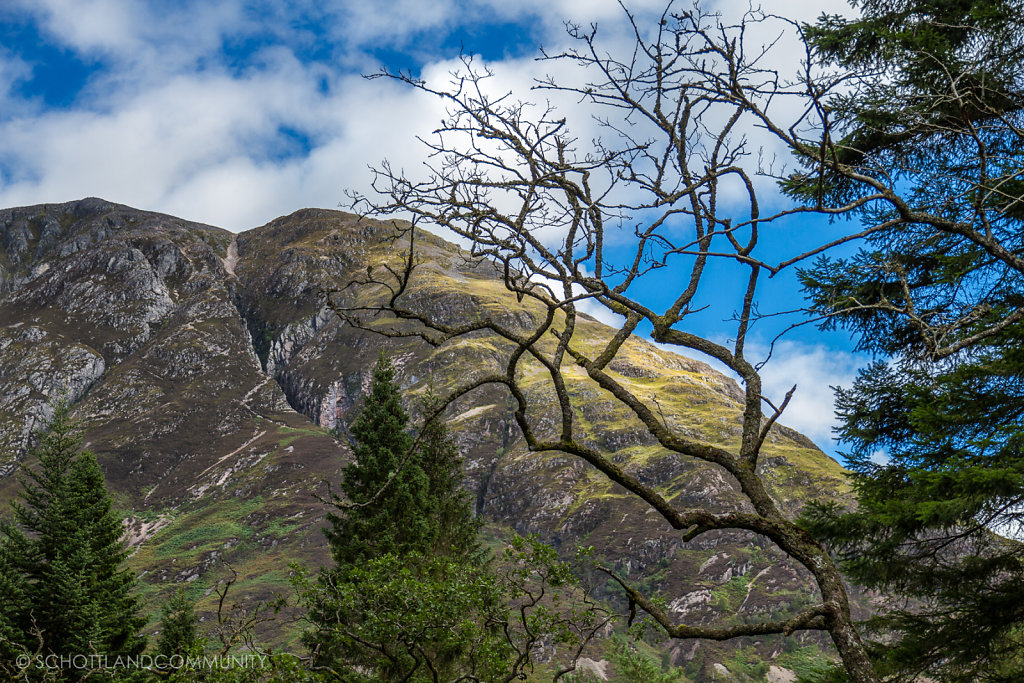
{"x": 212, "y": 382}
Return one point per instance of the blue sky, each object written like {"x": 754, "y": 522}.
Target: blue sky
{"x": 234, "y": 112}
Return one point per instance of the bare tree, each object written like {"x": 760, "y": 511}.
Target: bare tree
{"x": 551, "y": 212}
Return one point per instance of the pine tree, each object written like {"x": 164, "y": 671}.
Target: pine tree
{"x": 179, "y": 628}
{"x": 924, "y": 525}
{"x": 456, "y": 529}
{"x": 404, "y": 541}
{"x": 386, "y": 504}
{"x": 384, "y": 514}
{"x": 413, "y": 595}
{"x": 63, "y": 553}
{"x": 925, "y": 79}
{"x": 13, "y": 590}
{"x": 936, "y": 107}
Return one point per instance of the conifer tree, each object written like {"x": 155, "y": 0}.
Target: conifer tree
{"x": 385, "y": 510}
{"x": 12, "y": 598}
{"x": 937, "y": 106}
{"x": 63, "y": 555}
{"x": 412, "y": 596}
{"x": 179, "y": 628}
{"x": 456, "y": 528}
{"x": 384, "y": 514}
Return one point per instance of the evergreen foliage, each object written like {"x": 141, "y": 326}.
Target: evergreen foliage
{"x": 925, "y": 80}
{"x": 385, "y": 509}
{"x": 179, "y": 628}
{"x": 392, "y": 543}
{"x": 935, "y": 434}
{"x": 13, "y": 591}
{"x": 924, "y": 524}
{"x": 62, "y": 558}
{"x": 420, "y": 600}
{"x": 455, "y": 528}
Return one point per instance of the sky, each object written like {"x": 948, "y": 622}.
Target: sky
{"x": 235, "y": 112}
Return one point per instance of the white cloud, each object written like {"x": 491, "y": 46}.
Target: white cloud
{"x": 13, "y": 71}
{"x": 208, "y": 146}
{"x": 814, "y": 369}
{"x": 880, "y": 457}
{"x": 168, "y": 125}
{"x": 134, "y": 33}
{"x": 90, "y": 25}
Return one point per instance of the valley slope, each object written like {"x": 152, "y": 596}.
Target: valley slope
{"x": 212, "y": 381}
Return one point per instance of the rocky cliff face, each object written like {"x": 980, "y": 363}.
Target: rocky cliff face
{"x": 208, "y": 373}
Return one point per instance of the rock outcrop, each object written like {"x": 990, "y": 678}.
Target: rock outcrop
{"x": 213, "y": 383}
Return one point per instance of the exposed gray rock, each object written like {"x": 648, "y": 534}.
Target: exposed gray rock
{"x": 208, "y": 370}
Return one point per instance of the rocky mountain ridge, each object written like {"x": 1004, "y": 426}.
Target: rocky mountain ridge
{"x": 211, "y": 380}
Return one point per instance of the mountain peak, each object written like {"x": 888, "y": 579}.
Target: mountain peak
{"x": 212, "y": 380}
